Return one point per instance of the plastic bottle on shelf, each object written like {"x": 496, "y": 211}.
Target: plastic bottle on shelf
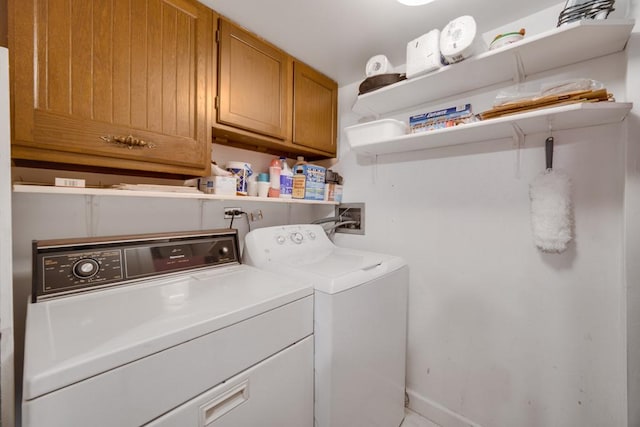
{"x": 299, "y": 161}
{"x": 299, "y": 183}
{"x": 299, "y": 179}
{"x": 286, "y": 179}
{"x": 274, "y": 178}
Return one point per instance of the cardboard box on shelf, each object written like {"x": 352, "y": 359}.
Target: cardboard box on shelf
{"x": 333, "y": 192}
{"x": 439, "y": 119}
{"x": 314, "y": 180}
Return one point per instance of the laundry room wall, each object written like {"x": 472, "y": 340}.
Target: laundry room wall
{"x": 6, "y": 288}
{"x": 632, "y": 224}
{"x": 501, "y": 334}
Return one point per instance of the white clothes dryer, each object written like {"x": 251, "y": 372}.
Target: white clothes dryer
{"x": 164, "y": 330}
{"x": 360, "y": 321}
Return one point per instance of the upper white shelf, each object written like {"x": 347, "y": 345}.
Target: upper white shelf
{"x": 569, "y": 44}
{"x": 558, "y": 118}
{"x": 44, "y": 189}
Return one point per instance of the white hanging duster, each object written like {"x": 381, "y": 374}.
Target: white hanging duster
{"x": 551, "y": 208}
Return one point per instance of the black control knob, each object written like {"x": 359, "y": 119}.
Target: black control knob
{"x": 86, "y": 268}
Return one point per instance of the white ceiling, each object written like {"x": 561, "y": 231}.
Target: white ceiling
{"x": 337, "y": 37}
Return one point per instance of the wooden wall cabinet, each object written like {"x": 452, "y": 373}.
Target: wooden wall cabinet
{"x": 4, "y": 32}
{"x": 82, "y": 70}
{"x": 268, "y": 101}
{"x": 254, "y": 86}
{"x": 315, "y": 109}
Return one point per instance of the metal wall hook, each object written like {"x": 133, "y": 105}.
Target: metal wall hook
{"x": 548, "y": 148}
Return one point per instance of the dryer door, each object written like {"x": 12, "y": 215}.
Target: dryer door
{"x": 276, "y": 392}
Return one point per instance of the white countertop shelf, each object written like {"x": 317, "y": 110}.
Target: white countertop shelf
{"x": 559, "y": 118}
{"x": 569, "y": 44}
{"x": 44, "y": 189}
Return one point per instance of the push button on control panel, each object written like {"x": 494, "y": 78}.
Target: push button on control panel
{"x": 296, "y": 237}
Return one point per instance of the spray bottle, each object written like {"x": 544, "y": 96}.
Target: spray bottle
{"x": 274, "y": 178}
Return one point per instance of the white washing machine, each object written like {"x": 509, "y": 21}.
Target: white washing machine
{"x": 164, "y": 330}
{"x": 360, "y": 322}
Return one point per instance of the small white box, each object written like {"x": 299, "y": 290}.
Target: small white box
{"x": 70, "y": 182}
{"x": 224, "y": 185}
{"x": 370, "y": 132}
{"x": 423, "y": 54}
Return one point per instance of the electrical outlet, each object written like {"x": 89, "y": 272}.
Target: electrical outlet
{"x": 353, "y": 216}
{"x": 256, "y": 215}
{"x": 228, "y": 213}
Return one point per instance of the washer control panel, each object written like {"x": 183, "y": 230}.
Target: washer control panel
{"x": 297, "y": 236}
{"x": 63, "y": 267}
{"x": 285, "y": 243}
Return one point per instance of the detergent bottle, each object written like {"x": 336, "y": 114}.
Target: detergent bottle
{"x": 286, "y": 179}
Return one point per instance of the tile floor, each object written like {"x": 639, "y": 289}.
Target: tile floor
{"x": 412, "y": 419}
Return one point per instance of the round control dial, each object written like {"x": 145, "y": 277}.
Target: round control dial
{"x": 86, "y": 268}
{"x": 296, "y": 237}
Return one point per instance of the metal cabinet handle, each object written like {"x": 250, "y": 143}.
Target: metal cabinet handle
{"x": 128, "y": 141}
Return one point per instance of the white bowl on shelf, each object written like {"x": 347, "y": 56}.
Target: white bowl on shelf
{"x": 378, "y": 130}
{"x": 506, "y": 39}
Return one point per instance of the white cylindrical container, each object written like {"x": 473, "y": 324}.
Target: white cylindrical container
{"x": 458, "y": 39}
{"x": 378, "y": 64}
{"x": 252, "y": 186}
{"x": 263, "y": 188}
{"x": 242, "y": 171}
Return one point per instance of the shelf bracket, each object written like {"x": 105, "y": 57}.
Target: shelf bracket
{"x": 519, "y": 74}
{"x": 91, "y": 214}
{"x": 518, "y": 135}
{"x": 518, "y": 142}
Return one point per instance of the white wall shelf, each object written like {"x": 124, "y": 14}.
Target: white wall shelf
{"x": 43, "y": 189}
{"x": 569, "y": 44}
{"x": 514, "y": 126}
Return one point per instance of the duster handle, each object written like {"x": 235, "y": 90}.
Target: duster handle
{"x": 548, "y": 150}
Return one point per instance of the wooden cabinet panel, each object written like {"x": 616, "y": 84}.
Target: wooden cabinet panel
{"x": 315, "y": 115}
{"x": 254, "y": 83}
{"x": 3, "y": 24}
{"x": 113, "y": 68}
{"x": 265, "y": 105}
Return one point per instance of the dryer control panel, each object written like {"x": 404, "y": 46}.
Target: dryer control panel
{"x": 68, "y": 266}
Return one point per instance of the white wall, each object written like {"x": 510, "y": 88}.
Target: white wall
{"x": 499, "y": 333}
{"x": 632, "y": 226}
{"x": 6, "y": 291}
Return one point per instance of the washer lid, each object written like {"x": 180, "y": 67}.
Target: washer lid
{"x": 338, "y": 269}
{"x": 70, "y": 339}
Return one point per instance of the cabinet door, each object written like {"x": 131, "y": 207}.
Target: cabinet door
{"x": 87, "y": 71}
{"x": 315, "y": 109}
{"x": 253, "y": 83}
